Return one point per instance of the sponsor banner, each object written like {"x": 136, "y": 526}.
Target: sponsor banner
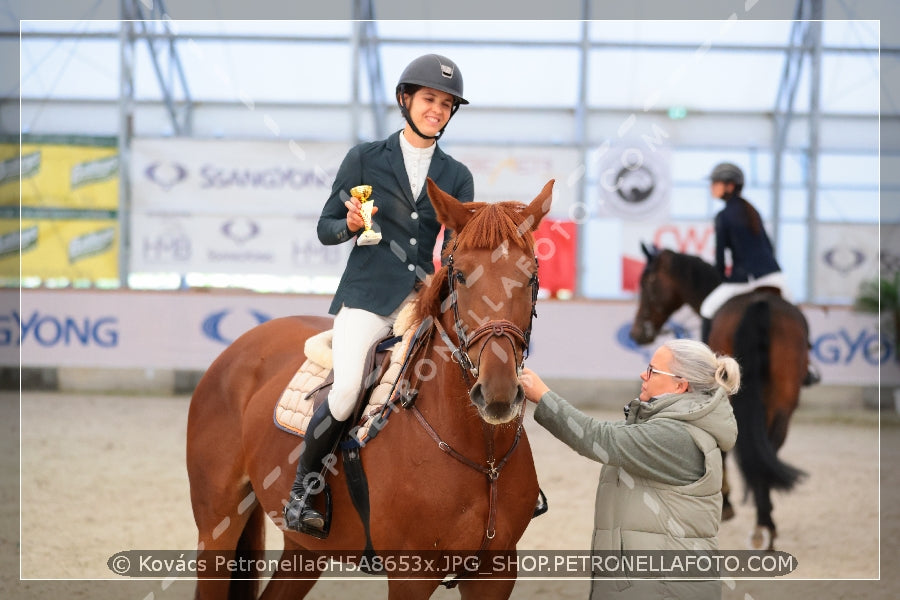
{"x": 247, "y": 178}
{"x": 187, "y": 330}
{"x": 138, "y": 329}
{"x": 521, "y": 172}
{"x": 845, "y": 344}
{"x": 73, "y": 249}
{"x": 60, "y": 176}
{"x": 846, "y": 255}
{"x": 287, "y": 246}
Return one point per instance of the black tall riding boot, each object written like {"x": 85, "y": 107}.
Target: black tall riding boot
{"x": 705, "y": 326}
{"x": 321, "y": 436}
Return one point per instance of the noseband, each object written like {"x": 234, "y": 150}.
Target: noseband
{"x": 492, "y": 328}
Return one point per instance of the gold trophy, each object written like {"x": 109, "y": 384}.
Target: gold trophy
{"x": 368, "y": 237}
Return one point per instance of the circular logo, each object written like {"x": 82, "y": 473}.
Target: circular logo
{"x": 843, "y": 259}
{"x": 632, "y": 182}
{"x": 635, "y": 186}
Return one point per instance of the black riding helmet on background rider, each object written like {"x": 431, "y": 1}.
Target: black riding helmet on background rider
{"x": 432, "y": 71}
{"x": 727, "y": 172}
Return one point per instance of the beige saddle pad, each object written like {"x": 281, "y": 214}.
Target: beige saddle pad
{"x": 296, "y": 405}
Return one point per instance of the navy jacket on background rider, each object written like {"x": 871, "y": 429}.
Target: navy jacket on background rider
{"x": 408, "y": 226}
{"x": 752, "y": 254}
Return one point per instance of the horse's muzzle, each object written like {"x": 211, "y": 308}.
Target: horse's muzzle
{"x": 500, "y": 408}
{"x": 643, "y": 332}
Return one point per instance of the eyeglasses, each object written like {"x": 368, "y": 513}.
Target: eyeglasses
{"x": 651, "y": 370}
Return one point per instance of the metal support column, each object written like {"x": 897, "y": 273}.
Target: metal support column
{"x": 354, "y": 70}
{"x": 814, "y": 43}
{"x": 581, "y": 140}
{"x": 365, "y": 48}
{"x": 159, "y": 18}
{"x": 806, "y": 39}
{"x": 126, "y": 130}
{"x": 784, "y": 110}
{"x": 377, "y": 100}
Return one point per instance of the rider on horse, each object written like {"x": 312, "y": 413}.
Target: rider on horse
{"x": 739, "y": 229}
{"x": 380, "y": 278}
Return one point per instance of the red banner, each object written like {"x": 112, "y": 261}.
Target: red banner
{"x": 556, "y": 248}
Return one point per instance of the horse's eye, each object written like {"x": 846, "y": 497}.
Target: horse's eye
{"x": 460, "y": 277}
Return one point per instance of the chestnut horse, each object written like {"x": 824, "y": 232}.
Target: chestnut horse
{"x": 768, "y": 336}
{"x": 453, "y": 473}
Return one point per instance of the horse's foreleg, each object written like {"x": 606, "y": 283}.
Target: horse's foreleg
{"x": 489, "y": 589}
{"x": 410, "y": 589}
{"x": 292, "y": 584}
{"x": 727, "y": 508}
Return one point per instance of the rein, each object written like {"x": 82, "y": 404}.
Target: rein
{"x": 491, "y": 468}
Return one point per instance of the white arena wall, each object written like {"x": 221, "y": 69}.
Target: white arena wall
{"x": 113, "y": 339}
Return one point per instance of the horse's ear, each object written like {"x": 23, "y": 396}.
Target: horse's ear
{"x": 539, "y": 207}
{"x": 452, "y": 213}
{"x": 649, "y": 251}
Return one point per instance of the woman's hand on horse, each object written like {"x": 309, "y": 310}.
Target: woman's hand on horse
{"x": 534, "y": 386}
{"x": 354, "y": 218}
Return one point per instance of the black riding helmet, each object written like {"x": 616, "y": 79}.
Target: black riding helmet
{"x": 436, "y": 72}
{"x": 729, "y": 173}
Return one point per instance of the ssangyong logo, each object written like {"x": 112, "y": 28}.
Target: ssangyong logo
{"x": 224, "y": 326}
{"x": 166, "y": 174}
{"x": 240, "y": 229}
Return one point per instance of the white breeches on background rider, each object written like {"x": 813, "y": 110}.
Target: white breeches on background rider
{"x": 355, "y": 330}
{"x": 726, "y": 291}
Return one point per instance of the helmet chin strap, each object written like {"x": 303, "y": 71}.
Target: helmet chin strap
{"x": 406, "y": 115}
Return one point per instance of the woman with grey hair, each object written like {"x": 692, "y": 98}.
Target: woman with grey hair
{"x": 660, "y": 485}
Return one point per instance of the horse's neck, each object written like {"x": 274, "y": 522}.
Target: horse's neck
{"x": 701, "y": 281}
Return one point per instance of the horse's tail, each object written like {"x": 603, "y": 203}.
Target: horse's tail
{"x": 250, "y": 547}
{"x": 755, "y": 453}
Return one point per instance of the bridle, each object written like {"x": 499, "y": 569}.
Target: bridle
{"x": 488, "y": 330}
{"x": 460, "y": 354}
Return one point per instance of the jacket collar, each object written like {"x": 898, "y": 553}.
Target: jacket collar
{"x": 686, "y": 406}
{"x": 395, "y": 158}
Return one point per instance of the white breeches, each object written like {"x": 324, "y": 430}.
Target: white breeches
{"x": 726, "y": 291}
{"x": 355, "y": 330}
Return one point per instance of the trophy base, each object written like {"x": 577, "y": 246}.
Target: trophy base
{"x": 368, "y": 238}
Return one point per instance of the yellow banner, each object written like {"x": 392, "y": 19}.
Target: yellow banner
{"x": 73, "y": 249}
{"x": 60, "y": 176}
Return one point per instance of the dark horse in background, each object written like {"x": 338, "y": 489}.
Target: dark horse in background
{"x": 769, "y": 338}
{"x": 451, "y": 473}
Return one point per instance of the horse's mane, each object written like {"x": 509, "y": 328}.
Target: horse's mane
{"x": 693, "y": 270}
{"x": 490, "y": 227}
